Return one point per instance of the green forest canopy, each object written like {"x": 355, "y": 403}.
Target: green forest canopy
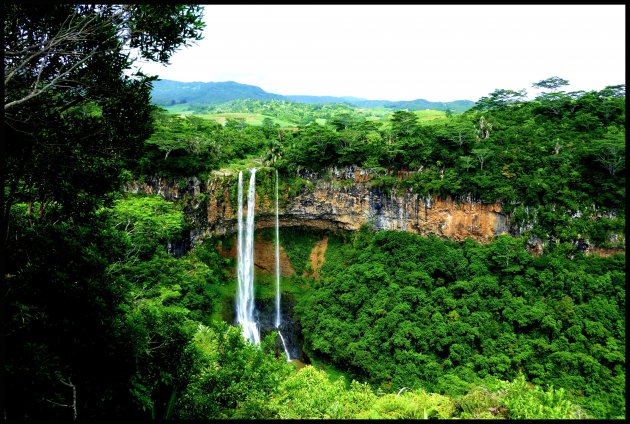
{"x": 103, "y": 322}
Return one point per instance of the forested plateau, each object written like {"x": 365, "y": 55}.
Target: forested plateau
{"x": 434, "y": 264}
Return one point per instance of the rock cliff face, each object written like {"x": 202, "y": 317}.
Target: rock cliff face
{"x": 351, "y": 207}
{"x": 343, "y": 200}
{"x": 264, "y": 256}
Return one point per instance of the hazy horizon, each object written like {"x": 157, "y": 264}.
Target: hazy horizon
{"x": 404, "y": 52}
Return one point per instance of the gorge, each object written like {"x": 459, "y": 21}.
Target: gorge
{"x": 267, "y": 258}
{"x": 344, "y": 202}
{"x": 342, "y": 199}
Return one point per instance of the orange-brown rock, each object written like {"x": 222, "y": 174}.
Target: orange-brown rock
{"x": 600, "y": 251}
{"x": 346, "y": 201}
{"x": 343, "y": 198}
{"x": 264, "y": 256}
{"x": 317, "y": 256}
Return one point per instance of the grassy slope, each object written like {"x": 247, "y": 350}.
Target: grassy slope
{"x": 256, "y": 119}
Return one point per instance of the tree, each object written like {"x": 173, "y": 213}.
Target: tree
{"x": 273, "y": 152}
{"x": 554, "y": 100}
{"x": 314, "y": 146}
{"x": 49, "y": 48}
{"x": 610, "y": 152}
{"x": 146, "y": 222}
{"x": 481, "y": 155}
{"x": 74, "y": 107}
{"x": 343, "y": 121}
{"x": 269, "y": 127}
{"x": 557, "y": 102}
{"x": 235, "y": 123}
{"x": 500, "y": 98}
{"x": 553, "y": 83}
{"x": 459, "y": 132}
{"x": 190, "y": 134}
{"x": 76, "y": 115}
{"x": 231, "y": 378}
{"x": 404, "y": 123}
{"x": 467, "y": 162}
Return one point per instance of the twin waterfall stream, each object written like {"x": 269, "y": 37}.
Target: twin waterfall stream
{"x": 245, "y": 306}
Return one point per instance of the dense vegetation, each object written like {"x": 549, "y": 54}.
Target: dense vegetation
{"x": 399, "y": 310}
{"x": 556, "y": 164}
{"x": 162, "y": 353}
{"x": 76, "y": 115}
{"x": 105, "y": 321}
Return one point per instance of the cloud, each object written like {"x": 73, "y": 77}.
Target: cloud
{"x": 404, "y": 52}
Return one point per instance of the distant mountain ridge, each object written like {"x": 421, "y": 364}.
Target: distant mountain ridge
{"x": 169, "y": 92}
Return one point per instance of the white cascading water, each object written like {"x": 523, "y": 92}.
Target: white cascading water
{"x": 245, "y": 261}
{"x": 278, "y": 319}
{"x": 286, "y": 352}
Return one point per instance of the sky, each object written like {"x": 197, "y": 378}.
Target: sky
{"x": 405, "y": 52}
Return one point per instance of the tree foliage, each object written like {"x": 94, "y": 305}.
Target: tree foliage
{"x": 400, "y": 311}
{"x": 73, "y": 110}
{"x": 75, "y": 118}
{"x": 105, "y": 323}
{"x": 555, "y": 164}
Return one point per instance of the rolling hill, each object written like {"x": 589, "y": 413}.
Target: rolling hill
{"x": 169, "y": 92}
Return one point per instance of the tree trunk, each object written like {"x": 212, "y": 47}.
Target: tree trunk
{"x": 74, "y": 397}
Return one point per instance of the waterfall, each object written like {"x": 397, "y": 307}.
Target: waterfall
{"x": 245, "y": 261}
{"x": 284, "y": 345}
{"x": 278, "y": 318}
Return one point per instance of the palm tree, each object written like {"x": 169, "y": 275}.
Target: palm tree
{"x": 273, "y": 153}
